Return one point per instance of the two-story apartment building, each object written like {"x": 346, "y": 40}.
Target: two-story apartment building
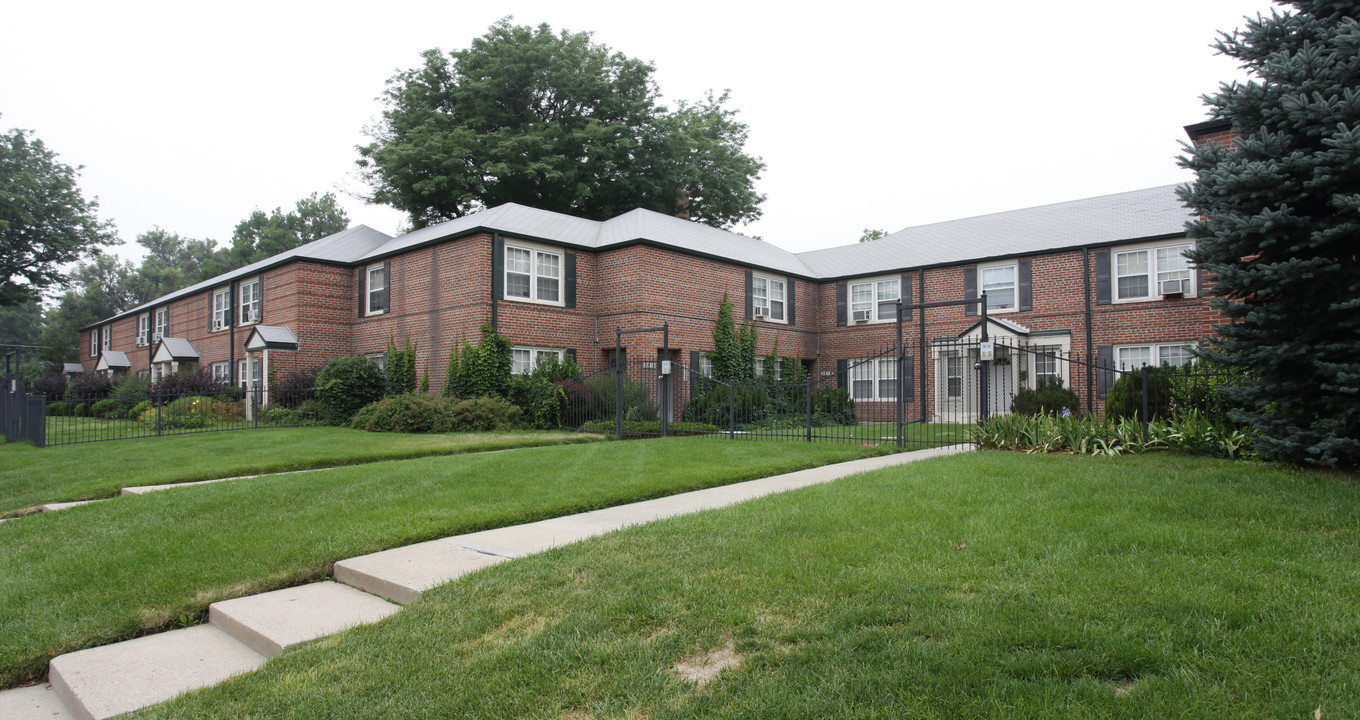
{"x": 1101, "y": 279}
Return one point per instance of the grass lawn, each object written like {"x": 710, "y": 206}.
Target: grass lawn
{"x": 97, "y": 573}
{"x": 31, "y": 476}
{"x": 977, "y": 586}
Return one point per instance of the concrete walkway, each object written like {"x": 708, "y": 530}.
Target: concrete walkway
{"x": 242, "y": 634}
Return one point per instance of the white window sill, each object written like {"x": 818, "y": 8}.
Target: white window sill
{"x": 533, "y": 301}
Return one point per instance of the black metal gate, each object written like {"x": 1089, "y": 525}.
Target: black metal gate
{"x": 23, "y": 415}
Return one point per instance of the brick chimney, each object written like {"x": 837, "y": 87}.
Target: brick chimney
{"x": 1219, "y": 131}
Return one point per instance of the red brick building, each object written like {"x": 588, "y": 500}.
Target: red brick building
{"x": 1101, "y": 279}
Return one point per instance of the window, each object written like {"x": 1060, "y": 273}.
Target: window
{"x": 143, "y": 329}
{"x": 221, "y": 373}
{"x": 999, "y": 284}
{"x": 1046, "y": 371}
{"x": 379, "y": 359}
{"x": 767, "y": 298}
{"x": 1139, "y": 274}
{"x": 760, "y": 367}
{"x": 874, "y": 379}
{"x": 377, "y": 285}
{"x": 523, "y": 360}
{"x": 953, "y": 376}
{"x": 533, "y": 274}
{"x": 221, "y": 319}
{"x": 1132, "y": 357}
{"x": 705, "y": 365}
{"x": 94, "y": 342}
{"x": 250, "y": 301}
{"x": 249, "y": 373}
{"x": 162, "y": 324}
{"x": 108, "y": 337}
{"x": 875, "y": 299}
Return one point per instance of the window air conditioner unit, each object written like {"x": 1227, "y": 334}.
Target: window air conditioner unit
{"x": 761, "y": 312}
{"x": 219, "y": 325}
{"x": 862, "y": 315}
{"x": 1174, "y": 287}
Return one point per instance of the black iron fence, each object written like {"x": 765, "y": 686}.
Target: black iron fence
{"x": 158, "y": 413}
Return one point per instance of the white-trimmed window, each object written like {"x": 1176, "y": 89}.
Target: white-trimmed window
{"x": 162, "y": 325}
{"x": 875, "y": 300}
{"x": 953, "y": 376}
{"x": 533, "y": 274}
{"x": 1046, "y": 368}
{"x": 379, "y": 359}
{"x": 94, "y": 342}
{"x": 999, "y": 282}
{"x": 143, "y": 329}
{"x": 1132, "y": 357}
{"x": 250, "y": 301}
{"x": 1144, "y": 273}
{"x": 705, "y": 365}
{"x": 107, "y": 342}
{"x": 221, "y": 373}
{"x": 768, "y": 298}
{"x": 221, "y": 318}
{"x": 874, "y": 379}
{"x": 523, "y": 360}
{"x": 377, "y": 287}
{"x": 249, "y": 373}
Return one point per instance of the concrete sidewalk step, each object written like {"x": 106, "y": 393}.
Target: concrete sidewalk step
{"x": 402, "y": 574}
{"x": 39, "y": 702}
{"x": 270, "y": 622}
{"x": 114, "y": 679}
{"x": 520, "y": 540}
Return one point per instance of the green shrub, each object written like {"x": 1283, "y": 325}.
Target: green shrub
{"x": 59, "y": 409}
{"x": 407, "y": 413}
{"x": 80, "y": 409}
{"x": 480, "y": 370}
{"x": 1051, "y": 398}
{"x": 128, "y": 391}
{"x": 637, "y": 399}
{"x": 401, "y": 368}
{"x": 1193, "y": 434}
{"x": 107, "y": 409}
{"x": 482, "y": 414}
{"x": 191, "y": 412}
{"x": 138, "y": 409}
{"x": 347, "y": 384}
{"x": 636, "y": 428}
{"x": 88, "y": 387}
{"x": 1207, "y": 388}
{"x": 1125, "y": 398}
{"x": 835, "y": 405}
{"x": 542, "y": 400}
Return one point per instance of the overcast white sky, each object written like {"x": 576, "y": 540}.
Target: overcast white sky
{"x": 883, "y": 115}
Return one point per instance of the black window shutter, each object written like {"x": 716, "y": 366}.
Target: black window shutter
{"x": 840, "y": 304}
{"x": 497, "y": 268}
{"x": 259, "y": 292}
{"x": 571, "y": 354}
{"x": 694, "y": 362}
{"x": 842, "y": 369}
{"x": 788, "y": 301}
{"x": 908, "y": 379}
{"x": 387, "y": 287}
{"x": 1025, "y": 282}
{"x": 905, "y": 290}
{"x": 231, "y": 308}
{"x": 363, "y": 291}
{"x": 970, "y": 289}
{"x": 212, "y": 294}
{"x": 569, "y": 293}
{"x": 750, "y": 301}
{"x": 1104, "y": 372}
{"x": 1102, "y": 279}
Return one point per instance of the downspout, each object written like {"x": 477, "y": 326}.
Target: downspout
{"x": 1090, "y": 346}
{"x": 921, "y": 378}
{"x": 495, "y": 319}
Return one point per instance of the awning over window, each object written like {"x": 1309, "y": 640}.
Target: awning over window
{"x": 77, "y": 368}
{"x": 270, "y": 337}
{"x": 108, "y": 360}
{"x": 174, "y": 350}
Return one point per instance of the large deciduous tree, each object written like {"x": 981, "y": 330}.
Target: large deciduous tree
{"x": 261, "y": 236}
{"x": 45, "y": 221}
{"x": 1280, "y": 227}
{"x": 557, "y": 122}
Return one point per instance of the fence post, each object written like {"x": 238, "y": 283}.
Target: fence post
{"x": 1145, "y": 404}
{"x": 618, "y": 396}
{"x": 255, "y": 405}
{"x": 732, "y": 411}
{"x": 664, "y": 381}
{"x": 159, "y": 401}
{"x": 809, "y": 407}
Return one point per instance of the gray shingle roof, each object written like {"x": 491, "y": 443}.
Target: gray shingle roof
{"x": 272, "y": 336}
{"x": 114, "y": 359}
{"x": 179, "y": 349}
{"x": 1154, "y": 212}
{"x": 345, "y": 246}
{"x": 1122, "y": 217}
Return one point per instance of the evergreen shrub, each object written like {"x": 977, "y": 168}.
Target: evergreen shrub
{"x": 347, "y": 384}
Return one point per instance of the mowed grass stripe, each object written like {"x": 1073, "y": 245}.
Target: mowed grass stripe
{"x": 31, "y": 476}
{"x": 98, "y": 573}
{"x": 977, "y": 586}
